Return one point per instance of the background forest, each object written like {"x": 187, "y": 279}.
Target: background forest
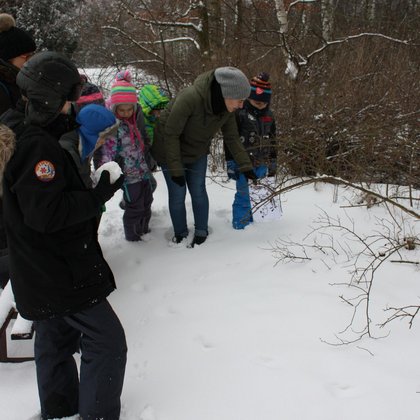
{"x": 346, "y": 89}
{"x": 345, "y": 74}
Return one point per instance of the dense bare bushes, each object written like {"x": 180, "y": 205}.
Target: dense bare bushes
{"x": 351, "y": 109}
{"x": 353, "y": 113}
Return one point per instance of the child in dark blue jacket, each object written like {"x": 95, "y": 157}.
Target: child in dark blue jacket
{"x": 257, "y": 131}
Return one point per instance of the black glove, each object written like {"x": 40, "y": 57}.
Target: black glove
{"x": 250, "y": 175}
{"x": 180, "y": 180}
{"x": 104, "y": 190}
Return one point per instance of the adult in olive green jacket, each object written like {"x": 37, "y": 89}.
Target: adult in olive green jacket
{"x": 182, "y": 139}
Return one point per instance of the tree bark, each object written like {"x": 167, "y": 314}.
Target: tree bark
{"x": 327, "y": 13}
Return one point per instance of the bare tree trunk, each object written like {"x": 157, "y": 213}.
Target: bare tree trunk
{"x": 361, "y": 7}
{"x": 238, "y": 28}
{"x": 415, "y": 5}
{"x": 204, "y": 35}
{"x": 372, "y": 10}
{"x": 327, "y": 12}
{"x": 305, "y": 23}
{"x": 282, "y": 19}
{"x": 281, "y": 14}
{"x": 215, "y": 28}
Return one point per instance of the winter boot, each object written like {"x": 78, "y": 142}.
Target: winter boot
{"x": 177, "y": 239}
{"x": 198, "y": 240}
{"x": 131, "y": 233}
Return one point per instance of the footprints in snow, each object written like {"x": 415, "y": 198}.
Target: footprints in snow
{"x": 341, "y": 390}
{"x": 204, "y": 342}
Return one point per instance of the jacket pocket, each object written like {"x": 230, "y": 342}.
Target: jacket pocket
{"x": 82, "y": 257}
{"x": 88, "y": 269}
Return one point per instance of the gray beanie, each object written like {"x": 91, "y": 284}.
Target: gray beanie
{"x": 233, "y": 82}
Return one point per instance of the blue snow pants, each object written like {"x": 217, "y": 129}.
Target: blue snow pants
{"x": 99, "y": 335}
{"x": 241, "y": 207}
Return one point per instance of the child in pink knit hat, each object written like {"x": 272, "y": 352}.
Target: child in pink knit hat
{"x": 130, "y": 149}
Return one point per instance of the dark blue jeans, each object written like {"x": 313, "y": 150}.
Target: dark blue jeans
{"x": 195, "y": 176}
{"x": 98, "y": 333}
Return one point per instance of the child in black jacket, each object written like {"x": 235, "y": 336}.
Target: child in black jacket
{"x": 257, "y": 131}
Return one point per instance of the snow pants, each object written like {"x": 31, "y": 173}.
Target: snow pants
{"x": 241, "y": 207}
{"x": 138, "y": 198}
{"x": 4, "y": 267}
{"x": 99, "y": 335}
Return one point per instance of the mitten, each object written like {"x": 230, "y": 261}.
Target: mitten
{"x": 232, "y": 171}
{"x": 180, "y": 180}
{"x": 104, "y": 190}
{"x": 250, "y": 175}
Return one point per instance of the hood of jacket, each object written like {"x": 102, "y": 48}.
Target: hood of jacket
{"x": 202, "y": 84}
{"x": 96, "y": 122}
{"x": 151, "y": 97}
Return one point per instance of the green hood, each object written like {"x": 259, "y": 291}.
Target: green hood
{"x": 151, "y": 97}
{"x": 202, "y": 86}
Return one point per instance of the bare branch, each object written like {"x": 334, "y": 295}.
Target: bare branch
{"x": 349, "y": 38}
{"x": 405, "y": 262}
{"x": 197, "y": 28}
{"x": 140, "y": 45}
{"x": 337, "y": 180}
{"x": 294, "y": 3}
{"x": 405, "y": 312}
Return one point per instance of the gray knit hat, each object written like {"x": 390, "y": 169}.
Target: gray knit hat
{"x": 234, "y": 84}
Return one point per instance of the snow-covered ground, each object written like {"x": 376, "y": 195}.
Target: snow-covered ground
{"x": 224, "y": 331}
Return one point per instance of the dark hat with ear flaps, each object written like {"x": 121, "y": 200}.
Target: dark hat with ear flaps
{"x": 48, "y": 80}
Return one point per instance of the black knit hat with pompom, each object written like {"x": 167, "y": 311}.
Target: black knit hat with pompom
{"x": 261, "y": 88}
{"x": 13, "y": 41}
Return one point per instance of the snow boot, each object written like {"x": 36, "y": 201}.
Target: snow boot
{"x": 198, "y": 240}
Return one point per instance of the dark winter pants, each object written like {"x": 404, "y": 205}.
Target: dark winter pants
{"x": 138, "y": 199}
{"x": 98, "y": 333}
{"x": 241, "y": 207}
{"x": 4, "y": 267}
